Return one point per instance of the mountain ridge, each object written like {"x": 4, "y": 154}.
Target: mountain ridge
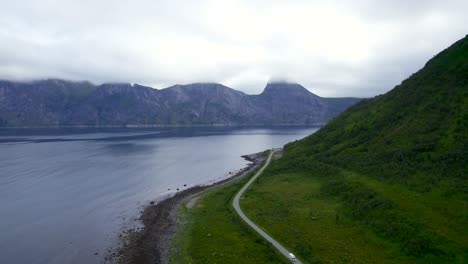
{"x": 55, "y": 102}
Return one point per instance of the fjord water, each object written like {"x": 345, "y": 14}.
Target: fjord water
{"x": 67, "y": 193}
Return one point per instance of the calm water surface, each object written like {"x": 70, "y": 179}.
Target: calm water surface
{"x": 65, "y": 194}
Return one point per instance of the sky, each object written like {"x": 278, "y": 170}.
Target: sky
{"x": 333, "y": 48}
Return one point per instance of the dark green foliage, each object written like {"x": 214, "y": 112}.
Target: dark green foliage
{"x": 412, "y": 139}
{"x": 415, "y": 135}
{"x": 381, "y": 215}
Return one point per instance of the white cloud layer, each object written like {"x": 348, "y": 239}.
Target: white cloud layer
{"x": 334, "y": 48}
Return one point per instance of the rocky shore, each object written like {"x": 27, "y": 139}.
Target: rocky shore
{"x": 150, "y": 244}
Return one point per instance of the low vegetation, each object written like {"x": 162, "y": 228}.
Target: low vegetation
{"x": 317, "y": 213}
{"x": 211, "y": 232}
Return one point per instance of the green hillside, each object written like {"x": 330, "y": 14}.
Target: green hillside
{"x": 385, "y": 181}
{"x": 415, "y": 135}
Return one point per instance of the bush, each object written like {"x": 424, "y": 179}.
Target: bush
{"x": 377, "y": 213}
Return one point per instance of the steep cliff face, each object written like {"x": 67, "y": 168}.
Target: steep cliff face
{"x": 41, "y": 102}
{"x": 118, "y": 104}
{"x": 205, "y": 103}
{"x": 290, "y": 103}
{"x": 57, "y": 102}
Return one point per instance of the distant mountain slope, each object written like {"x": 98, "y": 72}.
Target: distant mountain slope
{"x": 58, "y": 102}
{"x": 393, "y": 169}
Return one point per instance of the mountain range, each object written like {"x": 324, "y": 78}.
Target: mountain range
{"x": 54, "y": 102}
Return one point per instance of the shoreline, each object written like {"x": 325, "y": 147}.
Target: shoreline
{"x": 163, "y": 126}
{"x": 150, "y": 244}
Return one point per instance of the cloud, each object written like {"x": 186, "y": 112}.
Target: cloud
{"x": 334, "y": 48}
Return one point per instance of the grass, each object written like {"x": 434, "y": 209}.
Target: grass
{"x": 344, "y": 217}
{"x": 447, "y": 216}
{"x": 211, "y": 232}
{"x": 294, "y": 212}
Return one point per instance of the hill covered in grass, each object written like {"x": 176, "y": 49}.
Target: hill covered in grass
{"x": 415, "y": 135}
{"x": 385, "y": 181}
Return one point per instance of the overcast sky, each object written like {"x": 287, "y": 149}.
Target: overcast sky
{"x": 333, "y": 48}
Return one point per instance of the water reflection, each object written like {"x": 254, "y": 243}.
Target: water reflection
{"x": 128, "y": 148}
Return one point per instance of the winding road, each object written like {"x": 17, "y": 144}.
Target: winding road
{"x": 235, "y": 203}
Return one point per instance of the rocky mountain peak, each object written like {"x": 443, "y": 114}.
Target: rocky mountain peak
{"x": 286, "y": 88}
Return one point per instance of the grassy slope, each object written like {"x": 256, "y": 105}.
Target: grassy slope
{"x": 414, "y": 135}
{"x": 384, "y": 181}
{"x": 292, "y": 209}
{"x": 211, "y": 232}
